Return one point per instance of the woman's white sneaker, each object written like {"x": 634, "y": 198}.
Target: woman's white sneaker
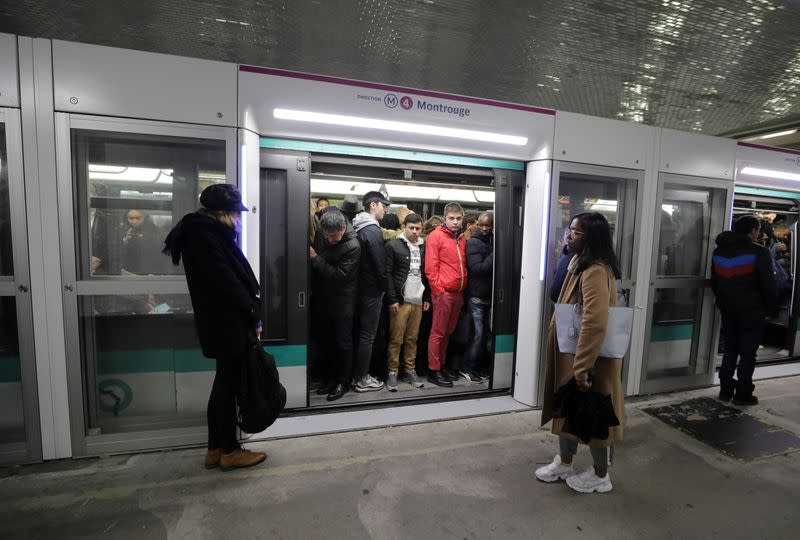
{"x": 555, "y": 471}
{"x": 589, "y": 482}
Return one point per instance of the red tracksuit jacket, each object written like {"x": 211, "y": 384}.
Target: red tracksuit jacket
{"x": 446, "y": 261}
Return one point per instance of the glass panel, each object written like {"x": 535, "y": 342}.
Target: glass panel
{"x": 142, "y": 363}
{"x": 684, "y": 233}
{"x": 605, "y": 195}
{"x": 677, "y": 317}
{"x": 274, "y": 263}
{"x": 6, "y": 255}
{"x": 12, "y": 424}
{"x": 130, "y": 190}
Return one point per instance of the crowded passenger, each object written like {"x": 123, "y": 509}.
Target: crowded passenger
{"x": 407, "y": 297}
{"x": 141, "y": 246}
{"x": 591, "y": 278}
{"x": 390, "y": 226}
{"x": 350, "y": 207}
{"x": 429, "y": 226}
{"x": 322, "y": 204}
{"x": 371, "y": 284}
{"x": 334, "y": 262}
{"x": 470, "y": 224}
{"x": 480, "y": 265}
{"x": 744, "y": 284}
{"x": 445, "y": 268}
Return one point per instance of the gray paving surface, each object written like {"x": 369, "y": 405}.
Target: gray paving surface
{"x": 464, "y": 479}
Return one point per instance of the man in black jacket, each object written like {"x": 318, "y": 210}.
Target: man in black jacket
{"x": 407, "y": 296}
{"x": 334, "y": 261}
{"x": 227, "y": 307}
{"x": 480, "y": 264}
{"x": 371, "y": 283}
{"x": 744, "y": 285}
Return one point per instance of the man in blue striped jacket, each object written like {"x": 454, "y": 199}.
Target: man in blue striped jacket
{"x": 744, "y": 285}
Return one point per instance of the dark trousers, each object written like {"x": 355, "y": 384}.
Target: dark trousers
{"x": 221, "y": 412}
{"x": 336, "y": 348}
{"x": 369, "y": 315}
{"x": 743, "y": 331}
{"x": 480, "y": 322}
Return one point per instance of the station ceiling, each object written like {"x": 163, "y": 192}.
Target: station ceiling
{"x": 722, "y": 67}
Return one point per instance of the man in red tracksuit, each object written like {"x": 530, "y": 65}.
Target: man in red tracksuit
{"x": 446, "y": 268}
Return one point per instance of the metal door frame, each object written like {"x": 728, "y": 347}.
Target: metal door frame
{"x": 612, "y": 173}
{"x": 82, "y": 443}
{"x": 706, "y": 378}
{"x": 19, "y": 288}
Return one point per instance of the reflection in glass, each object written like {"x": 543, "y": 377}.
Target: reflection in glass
{"x": 684, "y": 232}
{"x": 142, "y": 363}
{"x": 6, "y": 255}
{"x": 12, "y": 424}
{"x": 677, "y": 314}
{"x": 130, "y": 191}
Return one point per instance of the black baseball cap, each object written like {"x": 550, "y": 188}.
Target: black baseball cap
{"x": 222, "y": 197}
{"x": 372, "y": 196}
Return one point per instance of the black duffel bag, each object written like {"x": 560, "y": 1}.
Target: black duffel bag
{"x": 261, "y": 396}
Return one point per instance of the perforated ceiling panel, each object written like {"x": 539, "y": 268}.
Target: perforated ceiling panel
{"x": 713, "y": 66}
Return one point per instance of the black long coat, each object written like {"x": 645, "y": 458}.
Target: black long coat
{"x": 336, "y": 274}
{"x": 224, "y": 290}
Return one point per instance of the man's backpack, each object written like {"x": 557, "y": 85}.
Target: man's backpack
{"x": 261, "y": 395}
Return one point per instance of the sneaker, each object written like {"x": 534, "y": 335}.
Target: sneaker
{"x": 413, "y": 379}
{"x": 240, "y": 458}
{"x": 745, "y": 400}
{"x": 449, "y": 374}
{"x": 212, "y": 458}
{"x": 555, "y": 471}
{"x": 391, "y": 381}
{"x": 589, "y": 482}
{"x": 368, "y": 384}
{"x": 471, "y": 376}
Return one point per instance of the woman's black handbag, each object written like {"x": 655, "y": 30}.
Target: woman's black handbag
{"x": 261, "y": 396}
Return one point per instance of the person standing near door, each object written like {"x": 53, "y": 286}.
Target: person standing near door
{"x": 371, "y": 283}
{"x": 446, "y": 269}
{"x": 480, "y": 263}
{"x": 745, "y": 288}
{"x": 407, "y": 297}
{"x": 227, "y": 307}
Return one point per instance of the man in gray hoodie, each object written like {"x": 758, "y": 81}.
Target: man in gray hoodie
{"x": 371, "y": 284}
{"x": 407, "y": 297}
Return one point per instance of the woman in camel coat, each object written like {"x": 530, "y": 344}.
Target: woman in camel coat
{"x": 591, "y": 275}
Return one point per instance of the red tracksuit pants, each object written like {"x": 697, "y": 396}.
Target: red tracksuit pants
{"x": 445, "y": 319}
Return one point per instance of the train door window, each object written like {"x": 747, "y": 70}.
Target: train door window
{"x": 133, "y": 346}
{"x": 424, "y": 191}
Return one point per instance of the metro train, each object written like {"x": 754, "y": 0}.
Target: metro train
{"x": 98, "y": 352}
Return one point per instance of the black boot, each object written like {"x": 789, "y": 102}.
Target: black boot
{"x": 337, "y": 392}
{"x": 438, "y": 379}
{"x": 449, "y": 375}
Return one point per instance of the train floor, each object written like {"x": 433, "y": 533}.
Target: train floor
{"x": 463, "y": 479}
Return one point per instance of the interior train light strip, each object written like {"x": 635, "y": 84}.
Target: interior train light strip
{"x": 769, "y": 173}
{"x": 771, "y": 135}
{"x": 391, "y": 125}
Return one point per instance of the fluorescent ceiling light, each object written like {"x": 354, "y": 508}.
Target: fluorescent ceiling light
{"x": 339, "y": 187}
{"x": 405, "y": 127}
{"x": 130, "y": 174}
{"x": 413, "y": 192}
{"x": 771, "y": 135}
{"x": 769, "y": 173}
{"x": 484, "y": 196}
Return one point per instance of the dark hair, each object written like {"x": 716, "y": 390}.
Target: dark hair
{"x": 390, "y": 221}
{"x": 412, "y": 218}
{"x": 332, "y": 221}
{"x": 746, "y": 224}
{"x": 323, "y": 199}
{"x": 597, "y": 244}
{"x": 471, "y": 217}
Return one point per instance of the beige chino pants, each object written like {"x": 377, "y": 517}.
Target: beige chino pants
{"x": 403, "y": 331}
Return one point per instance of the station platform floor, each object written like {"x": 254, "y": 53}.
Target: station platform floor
{"x": 463, "y": 479}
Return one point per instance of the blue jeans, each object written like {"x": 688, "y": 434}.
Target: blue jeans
{"x": 480, "y": 320}
{"x": 743, "y": 331}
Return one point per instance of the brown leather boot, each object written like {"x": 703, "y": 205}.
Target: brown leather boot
{"x": 212, "y": 458}
{"x": 240, "y": 458}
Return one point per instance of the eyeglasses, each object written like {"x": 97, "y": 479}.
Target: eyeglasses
{"x": 576, "y": 234}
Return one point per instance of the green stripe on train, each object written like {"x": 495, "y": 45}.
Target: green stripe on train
{"x": 184, "y": 360}
{"x": 672, "y": 332}
{"x": 10, "y": 371}
{"x": 369, "y": 151}
{"x": 504, "y": 343}
{"x": 748, "y": 190}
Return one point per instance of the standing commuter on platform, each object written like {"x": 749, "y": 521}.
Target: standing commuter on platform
{"x": 745, "y": 287}
{"x": 371, "y": 283}
{"x": 225, "y": 298}
{"x": 446, "y": 268}
{"x": 480, "y": 263}
{"x": 334, "y": 261}
{"x": 591, "y": 278}
{"x": 407, "y": 297}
